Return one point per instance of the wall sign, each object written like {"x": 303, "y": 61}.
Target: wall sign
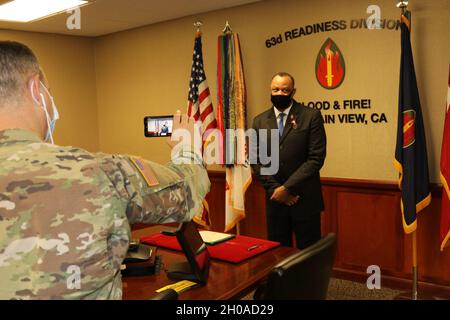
{"x": 328, "y": 26}
{"x": 348, "y": 111}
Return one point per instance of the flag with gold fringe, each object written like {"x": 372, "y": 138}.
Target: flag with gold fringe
{"x": 232, "y": 123}
{"x": 411, "y": 151}
{"x": 445, "y": 176}
{"x": 201, "y": 109}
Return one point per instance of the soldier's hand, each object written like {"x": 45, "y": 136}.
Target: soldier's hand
{"x": 186, "y": 134}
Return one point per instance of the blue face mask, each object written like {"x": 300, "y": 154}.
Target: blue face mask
{"x": 51, "y": 123}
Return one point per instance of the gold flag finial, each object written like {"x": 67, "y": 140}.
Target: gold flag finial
{"x": 198, "y": 25}
{"x": 227, "y": 28}
{"x": 403, "y": 5}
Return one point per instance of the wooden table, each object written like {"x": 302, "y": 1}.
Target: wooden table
{"x": 226, "y": 280}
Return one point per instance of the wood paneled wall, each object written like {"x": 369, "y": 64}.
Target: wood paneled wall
{"x": 366, "y": 217}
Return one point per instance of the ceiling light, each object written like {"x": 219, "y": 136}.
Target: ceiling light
{"x": 30, "y": 10}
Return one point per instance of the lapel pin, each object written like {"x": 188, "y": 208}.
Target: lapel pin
{"x": 293, "y": 122}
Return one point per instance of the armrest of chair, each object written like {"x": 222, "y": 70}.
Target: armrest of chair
{"x": 168, "y": 294}
{"x": 261, "y": 290}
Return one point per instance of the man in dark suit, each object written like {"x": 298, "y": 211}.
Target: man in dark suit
{"x": 293, "y": 194}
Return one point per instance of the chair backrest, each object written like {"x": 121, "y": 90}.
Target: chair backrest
{"x": 304, "y": 275}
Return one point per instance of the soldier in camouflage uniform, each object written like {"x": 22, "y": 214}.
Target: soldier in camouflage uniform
{"x": 64, "y": 210}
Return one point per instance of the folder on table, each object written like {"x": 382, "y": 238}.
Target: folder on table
{"x": 235, "y": 250}
{"x": 211, "y": 237}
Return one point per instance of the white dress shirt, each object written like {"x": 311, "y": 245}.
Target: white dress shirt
{"x": 285, "y": 111}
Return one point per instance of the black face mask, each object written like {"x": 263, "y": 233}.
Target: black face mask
{"x": 281, "y": 102}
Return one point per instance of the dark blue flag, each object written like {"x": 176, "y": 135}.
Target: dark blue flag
{"x": 411, "y": 150}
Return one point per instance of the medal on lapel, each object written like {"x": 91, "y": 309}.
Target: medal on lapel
{"x": 293, "y": 122}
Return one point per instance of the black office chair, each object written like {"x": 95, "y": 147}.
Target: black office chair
{"x": 302, "y": 276}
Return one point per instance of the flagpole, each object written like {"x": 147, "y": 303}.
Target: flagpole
{"x": 200, "y": 108}
{"x": 414, "y": 267}
{"x": 403, "y": 5}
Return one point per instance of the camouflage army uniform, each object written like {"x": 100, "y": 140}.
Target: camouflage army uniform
{"x": 64, "y": 210}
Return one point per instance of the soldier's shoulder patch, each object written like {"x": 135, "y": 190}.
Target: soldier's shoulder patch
{"x": 145, "y": 170}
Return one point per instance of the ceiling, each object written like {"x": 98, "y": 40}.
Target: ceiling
{"x": 108, "y": 16}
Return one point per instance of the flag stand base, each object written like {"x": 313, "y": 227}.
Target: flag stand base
{"x": 408, "y": 296}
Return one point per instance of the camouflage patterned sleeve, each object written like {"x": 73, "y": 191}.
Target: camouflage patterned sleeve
{"x": 157, "y": 193}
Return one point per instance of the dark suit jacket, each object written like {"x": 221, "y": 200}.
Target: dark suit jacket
{"x": 302, "y": 152}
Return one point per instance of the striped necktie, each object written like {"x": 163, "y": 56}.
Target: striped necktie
{"x": 281, "y": 123}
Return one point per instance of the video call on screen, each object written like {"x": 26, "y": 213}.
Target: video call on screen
{"x": 159, "y": 127}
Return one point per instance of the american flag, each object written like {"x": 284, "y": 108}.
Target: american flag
{"x": 199, "y": 101}
{"x": 201, "y": 109}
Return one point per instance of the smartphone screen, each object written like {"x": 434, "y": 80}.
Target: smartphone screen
{"x": 158, "y": 126}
